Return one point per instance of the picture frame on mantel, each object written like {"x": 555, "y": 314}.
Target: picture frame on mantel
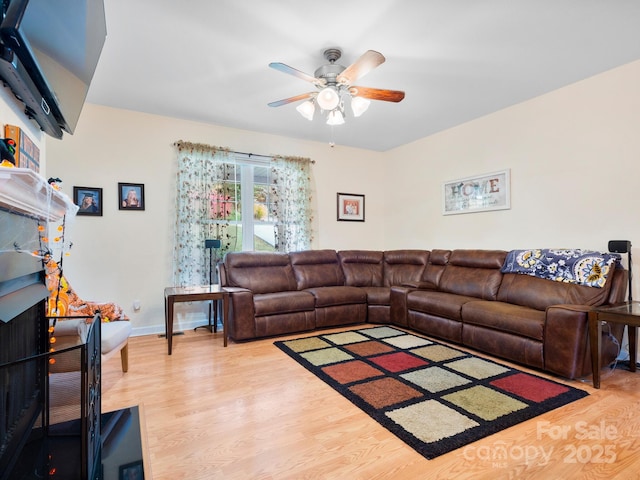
{"x": 130, "y": 196}
{"x": 350, "y": 207}
{"x": 88, "y": 200}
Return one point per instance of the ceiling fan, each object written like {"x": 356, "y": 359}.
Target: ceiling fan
{"x": 334, "y": 83}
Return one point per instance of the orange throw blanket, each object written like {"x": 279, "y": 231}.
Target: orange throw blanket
{"x": 63, "y": 300}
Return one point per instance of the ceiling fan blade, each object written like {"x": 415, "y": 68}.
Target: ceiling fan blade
{"x": 297, "y": 98}
{"x": 367, "y": 62}
{"x": 297, "y": 73}
{"x": 377, "y": 94}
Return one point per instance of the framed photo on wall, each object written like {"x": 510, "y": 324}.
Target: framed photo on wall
{"x": 131, "y": 196}
{"x": 89, "y": 200}
{"x": 481, "y": 193}
{"x": 350, "y": 207}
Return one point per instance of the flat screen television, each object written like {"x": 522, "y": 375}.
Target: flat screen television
{"x": 58, "y": 44}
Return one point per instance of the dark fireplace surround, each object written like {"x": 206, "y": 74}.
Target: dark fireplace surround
{"x": 49, "y": 401}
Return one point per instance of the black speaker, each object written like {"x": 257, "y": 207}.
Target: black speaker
{"x": 619, "y": 246}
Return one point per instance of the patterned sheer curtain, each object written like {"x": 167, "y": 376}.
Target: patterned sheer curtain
{"x": 207, "y": 206}
{"x": 201, "y": 208}
{"x": 291, "y": 203}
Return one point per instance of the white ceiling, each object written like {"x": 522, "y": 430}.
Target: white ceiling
{"x": 457, "y": 60}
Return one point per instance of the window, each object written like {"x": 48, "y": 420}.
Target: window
{"x": 248, "y": 202}
{"x": 229, "y": 201}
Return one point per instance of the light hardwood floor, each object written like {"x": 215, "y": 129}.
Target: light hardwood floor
{"x": 250, "y": 412}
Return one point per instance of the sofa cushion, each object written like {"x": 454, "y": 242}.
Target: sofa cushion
{"x": 316, "y": 268}
{"x": 283, "y": 302}
{"x": 441, "y": 304}
{"x": 340, "y": 295}
{"x": 474, "y": 273}
{"x": 404, "y": 266}
{"x": 521, "y": 321}
{"x": 378, "y": 295}
{"x": 260, "y": 272}
{"x": 362, "y": 268}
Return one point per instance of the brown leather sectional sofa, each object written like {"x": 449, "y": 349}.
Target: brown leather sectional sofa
{"x": 457, "y": 295}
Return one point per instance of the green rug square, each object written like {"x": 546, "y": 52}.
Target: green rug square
{"x": 484, "y": 402}
{"x": 407, "y": 341}
{"x": 345, "y": 338}
{"x": 478, "y": 368}
{"x": 306, "y": 344}
{"x": 326, "y": 356}
{"x": 381, "y": 332}
{"x": 431, "y": 421}
{"x": 438, "y": 353}
{"x": 435, "y": 379}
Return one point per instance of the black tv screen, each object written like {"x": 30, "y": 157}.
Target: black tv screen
{"x": 59, "y": 43}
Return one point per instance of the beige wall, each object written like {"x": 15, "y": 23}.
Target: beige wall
{"x": 573, "y": 157}
{"x": 125, "y": 256}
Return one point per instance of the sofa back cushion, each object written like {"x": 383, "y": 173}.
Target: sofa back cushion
{"x": 539, "y": 293}
{"x": 260, "y": 272}
{"x": 362, "y": 268}
{"x": 474, "y": 273}
{"x": 438, "y": 260}
{"x": 404, "y": 266}
{"x": 316, "y": 268}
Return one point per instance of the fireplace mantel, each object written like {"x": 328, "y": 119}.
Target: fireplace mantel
{"x": 24, "y": 191}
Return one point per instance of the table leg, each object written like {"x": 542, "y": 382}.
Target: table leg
{"x": 166, "y": 315}
{"x": 595, "y": 336}
{"x": 170, "y": 323}
{"x": 225, "y": 316}
{"x": 633, "y": 344}
{"x": 215, "y": 315}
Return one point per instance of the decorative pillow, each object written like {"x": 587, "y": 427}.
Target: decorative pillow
{"x": 582, "y": 267}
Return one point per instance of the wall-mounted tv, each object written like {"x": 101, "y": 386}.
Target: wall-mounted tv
{"x": 58, "y": 44}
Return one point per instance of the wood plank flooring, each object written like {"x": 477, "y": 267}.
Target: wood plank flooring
{"x": 250, "y": 412}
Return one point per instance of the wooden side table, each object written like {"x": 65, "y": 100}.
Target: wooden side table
{"x": 202, "y": 293}
{"x": 627, "y": 313}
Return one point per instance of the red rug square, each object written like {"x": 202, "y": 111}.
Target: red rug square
{"x": 397, "y": 362}
{"x": 353, "y": 371}
{"x": 530, "y": 387}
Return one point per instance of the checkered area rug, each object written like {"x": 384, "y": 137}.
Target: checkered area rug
{"x": 434, "y": 397}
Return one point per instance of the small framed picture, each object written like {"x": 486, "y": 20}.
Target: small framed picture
{"x": 131, "y": 196}
{"x": 89, "y": 199}
{"x": 131, "y": 471}
{"x": 350, "y": 207}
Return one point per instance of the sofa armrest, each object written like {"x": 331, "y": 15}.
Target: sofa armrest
{"x": 241, "y": 320}
{"x": 566, "y": 341}
{"x": 398, "y": 305}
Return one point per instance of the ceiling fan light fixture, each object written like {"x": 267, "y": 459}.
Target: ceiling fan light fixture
{"x": 359, "y": 105}
{"x": 307, "y": 109}
{"x": 335, "y": 117}
{"x": 328, "y": 98}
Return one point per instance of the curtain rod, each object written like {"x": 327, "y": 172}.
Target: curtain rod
{"x": 270, "y": 156}
{"x": 181, "y": 143}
